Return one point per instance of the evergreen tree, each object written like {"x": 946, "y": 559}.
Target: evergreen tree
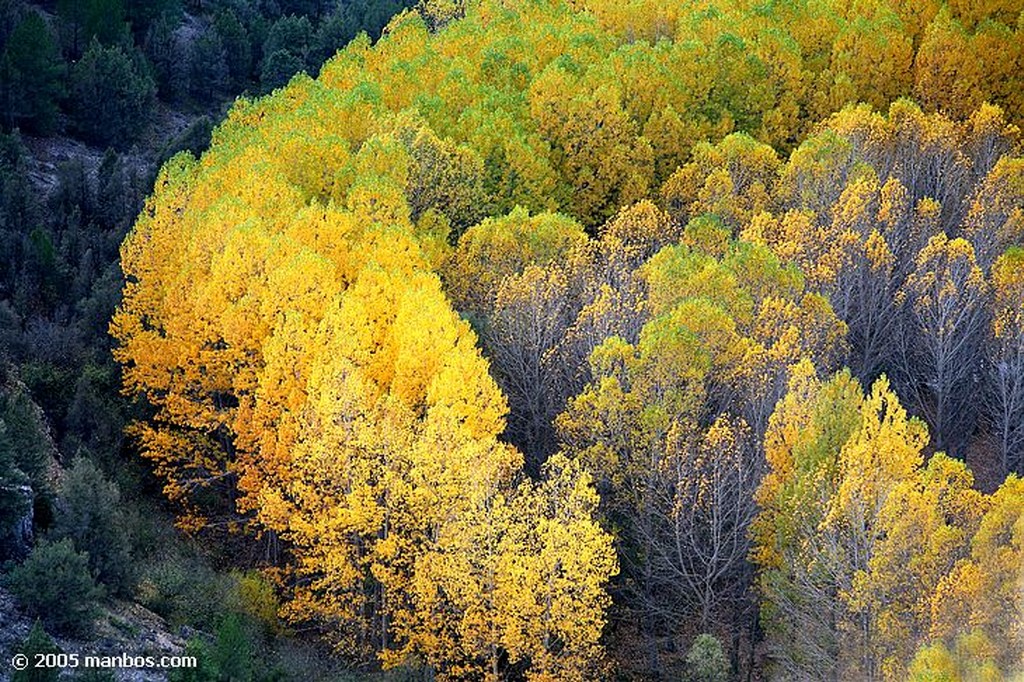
{"x": 291, "y": 34}
{"x": 13, "y": 503}
{"x": 111, "y": 95}
{"x": 209, "y": 67}
{"x": 30, "y": 77}
{"x": 169, "y": 61}
{"x": 706, "y": 660}
{"x": 37, "y": 643}
{"x": 11, "y": 13}
{"x": 143, "y": 13}
{"x": 237, "y": 47}
{"x": 232, "y": 654}
{"x": 84, "y": 20}
{"x": 54, "y": 583}
{"x": 90, "y": 515}
{"x": 333, "y": 33}
{"x": 278, "y": 69}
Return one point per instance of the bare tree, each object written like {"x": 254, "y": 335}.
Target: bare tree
{"x": 942, "y": 340}
{"x": 531, "y": 316}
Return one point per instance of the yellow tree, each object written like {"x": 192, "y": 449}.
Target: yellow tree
{"x": 980, "y": 600}
{"x": 498, "y": 248}
{"x": 874, "y": 51}
{"x": 995, "y": 220}
{"x": 595, "y": 144}
{"x": 795, "y": 552}
{"x": 398, "y": 500}
{"x": 732, "y": 180}
{"x": 1005, "y": 399}
{"x": 845, "y": 501}
{"x": 552, "y": 577}
{"x": 669, "y": 422}
{"x": 885, "y": 451}
{"x": 923, "y": 529}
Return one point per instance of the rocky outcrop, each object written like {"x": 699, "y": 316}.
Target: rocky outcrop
{"x": 29, "y": 465}
{"x": 124, "y": 629}
{"x": 16, "y": 539}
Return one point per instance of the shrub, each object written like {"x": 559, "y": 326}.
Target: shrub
{"x": 706, "y": 660}
{"x": 186, "y": 592}
{"x": 90, "y": 516}
{"x": 205, "y": 671}
{"x": 54, "y": 583}
{"x": 37, "y": 642}
{"x": 232, "y": 653}
{"x": 257, "y": 599}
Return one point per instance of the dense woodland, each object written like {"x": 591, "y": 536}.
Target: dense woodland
{"x": 536, "y": 340}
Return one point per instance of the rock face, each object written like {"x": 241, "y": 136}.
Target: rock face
{"x": 29, "y": 468}
{"x": 16, "y": 539}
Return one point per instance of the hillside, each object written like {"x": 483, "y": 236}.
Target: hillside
{"x": 545, "y": 340}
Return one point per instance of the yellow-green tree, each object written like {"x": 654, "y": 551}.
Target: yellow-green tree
{"x": 865, "y": 553}
{"x": 798, "y": 576}
{"x": 977, "y": 607}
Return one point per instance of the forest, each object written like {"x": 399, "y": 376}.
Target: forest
{"x": 516, "y": 340}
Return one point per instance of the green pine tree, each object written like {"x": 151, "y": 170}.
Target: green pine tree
{"x": 111, "y": 95}
{"x": 37, "y": 642}
{"x": 31, "y": 83}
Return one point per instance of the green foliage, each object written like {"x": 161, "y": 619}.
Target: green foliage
{"x": 449, "y": 120}
{"x": 290, "y": 33}
{"x": 11, "y": 13}
{"x": 257, "y": 600}
{"x": 13, "y": 502}
{"x": 447, "y": 178}
{"x": 232, "y": 652}
{"x": 333, "y": 33}
{"x": 285, "y": 51}
{"x": 229, "y": 658}
{"x": 971, "y": 659}
{"x": 205, "y": 671}
{"x": 111, "y": 95}
{"x": 50, "y": 384}
{"x": 706, "y": 660}
{"x": 934, "y": 663}
{"x": 25, "y": 451}
{"x": 143, "y": 13}
{"x": 278, "y": 68}
{"x": 31, "y": 71}
{"x": 55, "y": 584}
{"x": 210, "y": 75}
{"x": 194, "y": 139}
{"x": 90, "y": 515}
{"x": 37, "y": 643}
{"x": 87, "y": 20}
{"x": 116, "y": 192}
{"x": 237, "y": 47}
{"x": 15, "y": 199}
{"x": 165, "y": 54}
{"x": 185, "y": 591}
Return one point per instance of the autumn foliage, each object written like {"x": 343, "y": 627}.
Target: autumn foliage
{"x": 542, "y": 330}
